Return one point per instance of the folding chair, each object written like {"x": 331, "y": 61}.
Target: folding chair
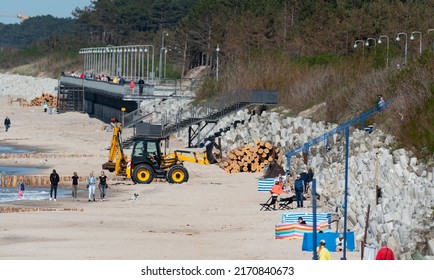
{"x": 269, "y": 205}
{"x": 286, "y": 203}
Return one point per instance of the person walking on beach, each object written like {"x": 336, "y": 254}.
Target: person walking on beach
{"x": 54, "y": 179}
{"x": 102, "y": 185}
{"x": 385, "y": 253}
{"x": 74, "y": 184}
{"x": 21, "y": 189}
{"x": 323, "y": 252}
{"x": 7, "y": 123}
{"x": 91, "y": 181}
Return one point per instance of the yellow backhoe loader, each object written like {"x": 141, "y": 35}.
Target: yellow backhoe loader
{"x": 148, "y": 162}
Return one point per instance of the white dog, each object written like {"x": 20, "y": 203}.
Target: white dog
{"x": 135, "y": 196}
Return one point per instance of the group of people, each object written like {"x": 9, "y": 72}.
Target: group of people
{"x": 385, "y": 253}
{"x": 300, "y": 187}
{"x": 91, "y": 185}
{"x": 116, "y": 80}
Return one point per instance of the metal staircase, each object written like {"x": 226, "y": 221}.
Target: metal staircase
{"x": 339, "y": 129}
{"x": 197, "y": 123}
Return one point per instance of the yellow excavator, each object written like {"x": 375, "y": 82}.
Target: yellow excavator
{"x": 148, "y": 162}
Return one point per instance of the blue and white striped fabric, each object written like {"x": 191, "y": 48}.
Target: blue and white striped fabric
{"x": 265, "y": 185}
{"x": 307, "y": 217}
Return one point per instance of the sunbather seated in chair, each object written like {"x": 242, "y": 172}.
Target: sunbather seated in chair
{"x": 276, "y": 191}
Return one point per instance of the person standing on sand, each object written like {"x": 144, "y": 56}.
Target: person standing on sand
{"x": 385, "y": 253}
{"x": 299, "y": 189}
{"x": 54, "y": 179}
{"x": 7, "y": 123}
{"x": 102, "y": 185}
{"x": 74, "y": 184}
{"x": 91, "y": 181}
{"x": 323, "y": 252}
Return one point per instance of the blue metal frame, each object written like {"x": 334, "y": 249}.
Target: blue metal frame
{"x": 339, "y": 129}
{"x": 345, "y": 128}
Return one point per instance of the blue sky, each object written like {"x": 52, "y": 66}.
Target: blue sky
{"x": 9, "y": 9}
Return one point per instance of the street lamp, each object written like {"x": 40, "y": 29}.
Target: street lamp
{"x": 387, "y": 47}
{"x": 217, "y": 69}
{"x": 429, "y": 30}
{"x": 147, "y": 63}
{"x": 405, "y": 48}
{"x": 420, "y": 39}
{"x": 165, "y": 33}
{"x": 363, "y": 45}
{"x": 371, "y": 39}
{"x": 165, "y": 59}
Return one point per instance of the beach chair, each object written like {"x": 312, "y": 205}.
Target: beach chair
{"x": 269, "y": 205}
{"x": 286, "y": 202}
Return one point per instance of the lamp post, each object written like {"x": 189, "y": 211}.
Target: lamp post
{"x": 420, "y": 39}
{"x": 165, "y": 33}
{"x": 146, "y": 50}
{"x": 217, "y": 68}
{"x": 373, "y": 40}
{"x": 405, "y": 48}
{"x": 165, "y": 60}
{"x": 429, "y": 30}
{"x": 387, "y": 47}
{"x": 153, "y": 69}
{"x": 119, "y": 65}
{"x": 363, "y": 45}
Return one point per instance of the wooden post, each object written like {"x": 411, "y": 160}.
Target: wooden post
{"x": 366, "y": 232}
{"x": 376, "y": 178}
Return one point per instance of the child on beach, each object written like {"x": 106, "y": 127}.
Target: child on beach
{"x": 21, "y": 189}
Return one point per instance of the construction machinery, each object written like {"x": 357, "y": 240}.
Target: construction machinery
{"x": 147, "y": 161}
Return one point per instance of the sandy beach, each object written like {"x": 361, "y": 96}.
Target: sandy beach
{"x": 214, "y": 216}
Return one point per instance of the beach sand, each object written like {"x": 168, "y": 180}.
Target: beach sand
{"x": 214, "y": 216}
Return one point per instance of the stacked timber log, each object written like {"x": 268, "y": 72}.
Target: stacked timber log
{"x": 250, "y": 158}
{"x": 48, "y": 98}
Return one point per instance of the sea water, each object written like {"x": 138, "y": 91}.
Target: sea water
{"x": 16, "y": 170}
{"x": 12, "y": 170}
{"x": 31, "y": 193}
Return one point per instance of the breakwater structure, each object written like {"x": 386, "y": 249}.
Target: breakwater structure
{"x": 9, "y": 181}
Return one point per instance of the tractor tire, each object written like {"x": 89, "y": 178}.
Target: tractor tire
{"x": 177, "y": 174}
{"x": 143, "y": 174}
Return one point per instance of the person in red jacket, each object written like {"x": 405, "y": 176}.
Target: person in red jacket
{"x": 276, "y": 191}
{"x": 385, "y": 253}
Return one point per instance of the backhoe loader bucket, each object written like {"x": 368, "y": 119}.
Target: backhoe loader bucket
{"x": 210, "y": 152}
{"x": 110, "y": 166}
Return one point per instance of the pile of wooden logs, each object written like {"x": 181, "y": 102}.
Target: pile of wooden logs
{"x": 250, "y": 158}
{"x": 48, "y": 98}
